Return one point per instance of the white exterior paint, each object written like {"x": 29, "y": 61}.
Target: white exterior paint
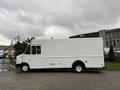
{"x": 62, "y": 53}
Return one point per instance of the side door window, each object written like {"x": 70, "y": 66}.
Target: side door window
{"x": 36, "y": 49}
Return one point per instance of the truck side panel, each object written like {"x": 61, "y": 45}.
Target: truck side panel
{"x": 62, "y": 53}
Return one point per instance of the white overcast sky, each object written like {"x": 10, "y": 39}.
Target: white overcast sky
{"x": 56, "y": 18}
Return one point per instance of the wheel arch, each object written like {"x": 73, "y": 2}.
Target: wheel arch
{"x": 23, "y": 63}
{"x": 78, "y": 62}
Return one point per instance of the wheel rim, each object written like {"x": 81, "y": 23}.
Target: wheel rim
{"x": 78, "y": 68}
{"x": 25, "y": 68}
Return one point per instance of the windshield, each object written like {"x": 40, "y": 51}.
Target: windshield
{"x": 27, "y": 50}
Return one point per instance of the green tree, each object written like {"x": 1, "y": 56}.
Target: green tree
{"x": 29, "y": 39}
{"x": 20, "y": 47}
{"x": 111, "y": 53}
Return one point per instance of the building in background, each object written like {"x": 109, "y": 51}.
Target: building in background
{"x": 111, "y": 36}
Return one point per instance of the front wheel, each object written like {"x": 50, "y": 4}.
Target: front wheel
{"x": 25, "y": 68}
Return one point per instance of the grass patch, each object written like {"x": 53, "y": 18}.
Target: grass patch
{"x": 112, "y": 65}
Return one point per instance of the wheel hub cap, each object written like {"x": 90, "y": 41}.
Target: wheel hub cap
{"x": 25, "y": 68}
{"x": 78, "y": 68}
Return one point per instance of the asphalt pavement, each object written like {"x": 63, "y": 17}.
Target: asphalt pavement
{"x": 60, "y": 80}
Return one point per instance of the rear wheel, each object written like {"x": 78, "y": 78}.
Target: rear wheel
{"x": 78, "y": 68}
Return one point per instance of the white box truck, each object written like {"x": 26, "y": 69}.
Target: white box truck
{"x": 78, "y": 54}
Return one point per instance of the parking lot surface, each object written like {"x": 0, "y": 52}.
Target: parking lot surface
{"x": 60, "y": 80}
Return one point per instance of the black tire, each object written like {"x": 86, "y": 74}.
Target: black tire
{"x": 78, "y": 68}
{"x": 25, "y": 68}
